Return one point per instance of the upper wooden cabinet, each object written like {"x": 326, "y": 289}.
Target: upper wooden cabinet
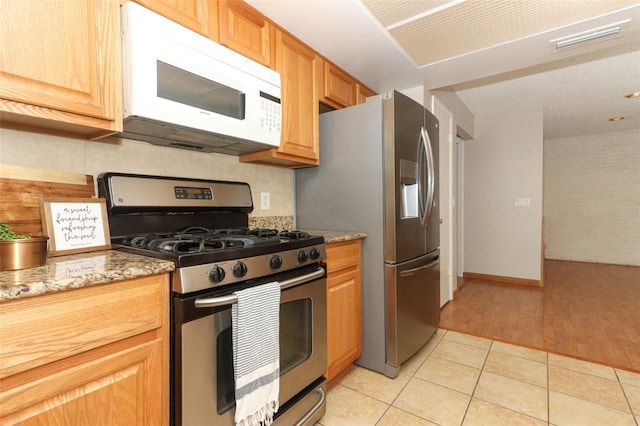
{"x": 338, "y": 87}
{"x": 299, "y": 67}
{"x": 245, "y": 30}
{"x": 362, "y": 93}
{"x": 60, "y": 65}
{"x": 200, "y": 16}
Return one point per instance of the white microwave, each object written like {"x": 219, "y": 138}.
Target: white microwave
{"x": 186, "y": 91}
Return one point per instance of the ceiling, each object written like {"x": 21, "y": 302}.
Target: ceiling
{"x": 495, "y": 54}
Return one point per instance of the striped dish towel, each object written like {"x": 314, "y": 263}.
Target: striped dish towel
{"x": 256, "y": 354}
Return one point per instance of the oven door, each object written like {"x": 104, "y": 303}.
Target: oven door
{"x": 202, "y": 358}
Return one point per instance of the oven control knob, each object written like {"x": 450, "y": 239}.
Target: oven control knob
{"x": 216, "y": 274}
{"x": 275, "y": 262}
{"x": 314, "y": 253}
{"x": 302, "y": 256}
{"x": 239, "y": 270}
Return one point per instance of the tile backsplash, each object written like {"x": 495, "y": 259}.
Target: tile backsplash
{"x": 77, "y": 155}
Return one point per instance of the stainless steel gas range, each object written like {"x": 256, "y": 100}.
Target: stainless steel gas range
{"x": 202, "y": 225}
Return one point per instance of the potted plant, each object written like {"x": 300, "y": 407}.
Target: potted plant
{"x": 20, "y": 251}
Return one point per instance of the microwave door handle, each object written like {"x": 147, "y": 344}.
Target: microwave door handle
{"x": 230, "y": 299}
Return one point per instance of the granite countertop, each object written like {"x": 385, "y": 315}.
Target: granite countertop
{"x": 78, "y": 270}
{"x": 336, "y": 236}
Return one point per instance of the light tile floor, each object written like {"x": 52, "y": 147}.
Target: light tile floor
{"x": 457, "y": 379}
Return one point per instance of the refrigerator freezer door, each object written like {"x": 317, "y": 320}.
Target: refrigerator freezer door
{"x": 412, "y": 307}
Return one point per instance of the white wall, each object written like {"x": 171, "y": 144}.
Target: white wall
{"x": 592, "y": 198}
{"x": 504, "y": 162}
{"x": 415, "y": 93}
{"x": 25, "y": 148}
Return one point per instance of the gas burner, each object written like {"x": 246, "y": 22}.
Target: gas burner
{"x": 294, "y": 235}
{"x": 263, "y": 232}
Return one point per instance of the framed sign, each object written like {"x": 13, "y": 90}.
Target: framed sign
{"x": 75, "y": 225}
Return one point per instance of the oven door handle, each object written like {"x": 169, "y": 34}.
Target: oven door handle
{"x": 230, "y": 299}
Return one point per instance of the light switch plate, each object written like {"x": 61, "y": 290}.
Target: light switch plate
{"x": 522, "y": 202}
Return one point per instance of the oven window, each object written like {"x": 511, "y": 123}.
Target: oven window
{"x": 296, "y": 332}
{"x": 187, "y": 88}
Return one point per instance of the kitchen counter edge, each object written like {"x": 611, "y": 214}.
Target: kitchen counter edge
{"x": 77, "y": 271}
{"x": 336, "y": 236}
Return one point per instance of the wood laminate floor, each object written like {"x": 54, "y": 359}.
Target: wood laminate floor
{"x": 587, "y": 311}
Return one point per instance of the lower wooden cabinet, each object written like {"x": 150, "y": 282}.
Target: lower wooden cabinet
{"x": 344, "y": 306}
{"x": 96, "y": 355}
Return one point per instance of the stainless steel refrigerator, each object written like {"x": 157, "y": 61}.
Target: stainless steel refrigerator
{"x": 378, "y": 174}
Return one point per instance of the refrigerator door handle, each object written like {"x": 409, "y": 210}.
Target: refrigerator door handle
{"x": 413, "y": 271}
{"x": 428, "y": 155}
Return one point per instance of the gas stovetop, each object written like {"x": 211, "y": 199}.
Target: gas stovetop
{"x": 198, "y": 245}
{"x": 207, "y": 258}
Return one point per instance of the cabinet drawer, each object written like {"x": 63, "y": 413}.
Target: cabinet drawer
{"x": 42, "y": 329}
{"x": 343, "y": 255}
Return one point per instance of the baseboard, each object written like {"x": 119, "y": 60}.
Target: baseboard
{"x": 502, "y": 279}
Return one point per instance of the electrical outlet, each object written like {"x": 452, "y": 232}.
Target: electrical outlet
{"x": 522, "y": 202}
{"x": 265, "y": 201}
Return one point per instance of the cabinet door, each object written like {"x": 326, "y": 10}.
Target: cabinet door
{"x": 200, "y": 16}
{"x": 123, "y": 388}
{"x": 344, "y": 341}
{"x": 245, "y": 30}
{"x": 298, "y": 67}
{"x": 344, "y": 306}
{"x": 60, "y": 64}
{"x": 339, "y": 88}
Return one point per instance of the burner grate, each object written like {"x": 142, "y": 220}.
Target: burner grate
{"x": 264, "y": 232}
{"x": 294, "y": 235}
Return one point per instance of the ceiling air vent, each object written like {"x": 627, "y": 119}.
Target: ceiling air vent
{"x": 588, "y": 37}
